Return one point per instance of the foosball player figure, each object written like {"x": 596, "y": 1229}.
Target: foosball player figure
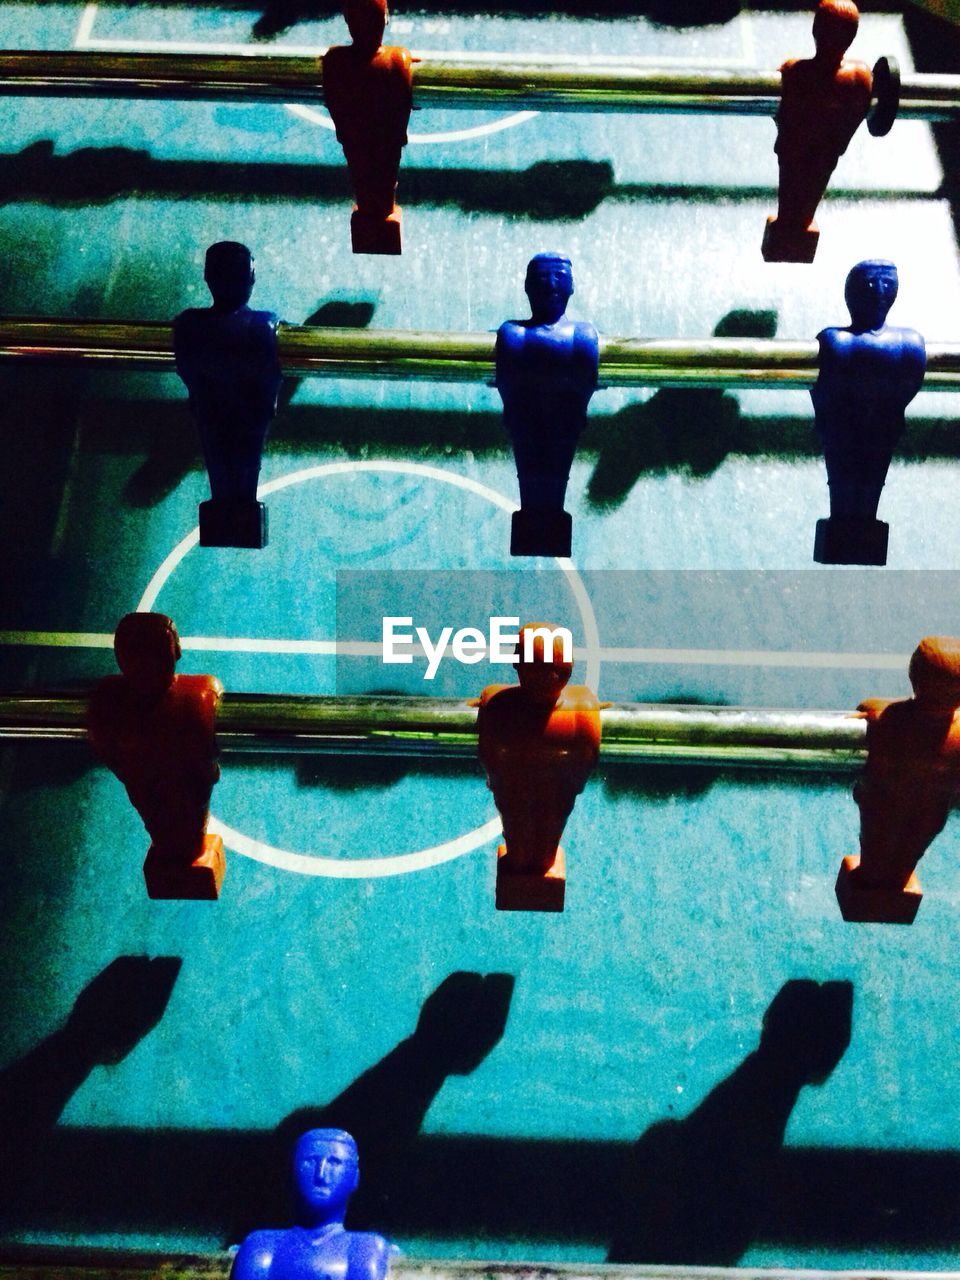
{"x": 226, "y": 355}
{"x": 326, "y": 1172}
{"x": 869, "y": 373}
{"x": 155, "y": 731}
{"x": 368, "y": 89}
{"x": 911, "y": 780}
{"x": 539, "y": 743}
{"x": 823, "y": 99}
{"x": 546, "y": 373}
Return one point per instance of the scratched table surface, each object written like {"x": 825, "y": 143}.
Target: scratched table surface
{"x": 602, "y": 1095}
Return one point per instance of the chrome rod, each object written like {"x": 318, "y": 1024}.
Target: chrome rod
{"x": 633, "y": 733}
{"x": 448, "y": 357}
{"x": 469, "y": 80}
{"x": 46, "y": 1262}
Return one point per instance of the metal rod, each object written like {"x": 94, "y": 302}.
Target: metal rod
{"x": 448, "y": 357}
{"x": 501, "y": 81}
{"x": 633, "y": 733}
{"x": 37, "y": 1262}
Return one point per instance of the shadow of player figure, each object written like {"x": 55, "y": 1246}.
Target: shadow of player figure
{"x": 546, "y": 372}
{"x": 910, "y": 783}
{"x": 155, "y": 731}
{"x": 226, "y": 355}
{"x": 869, "y": 373}
{"x": 823, "y": 99}
{"x": 460, "y": 1024}
{"x": 115, "y": 1011}
{"x": 326, "y": 1172}
{"x": 696, "y": 1191}
{"x": 368, "y": 90}
{"x": 538, "y": 742}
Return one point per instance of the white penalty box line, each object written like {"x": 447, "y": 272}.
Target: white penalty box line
{"x": 635, "y": 656}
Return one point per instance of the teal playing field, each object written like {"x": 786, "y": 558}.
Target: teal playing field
{"x": 601, "y": 1095}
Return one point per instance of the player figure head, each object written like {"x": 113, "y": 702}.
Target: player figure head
{"x": 366, "y": 21}
{"x": 834, "y": 26}
{"x": 544, "y": 677}
{"x": 935, "y": 676}
{"x": 229, "y": 274}
{"x": 326, "y": 1172}
{"x": 549, "y": 286}
{"x": 870, "y": 292}
{"x": 147, "y": 650}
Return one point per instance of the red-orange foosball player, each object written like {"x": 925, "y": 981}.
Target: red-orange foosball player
{"x": 539, "y": 742}
{"x": 823, "y": 99}
{"x": 155, "y": 731}
{"x": 911, "y": 780}
{"x": 368, "y": 89}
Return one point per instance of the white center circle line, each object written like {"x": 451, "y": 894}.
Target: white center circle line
{"x": 313, "y": 116}
{"x": 392, "y": 864}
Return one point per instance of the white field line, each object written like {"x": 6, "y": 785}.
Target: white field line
{"x": 85, "y": 26}
{"x": 312, "y": 115}
{"x": 812, "y": 660}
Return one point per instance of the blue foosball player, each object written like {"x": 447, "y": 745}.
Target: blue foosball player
{"x": 546, "y": 372}
{"x": 226, "y": 355}
{"x": 326, "y": 1172}
{"x": 869, "y": 373}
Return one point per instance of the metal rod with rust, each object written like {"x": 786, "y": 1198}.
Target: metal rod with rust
{"x": 448, "y": 357}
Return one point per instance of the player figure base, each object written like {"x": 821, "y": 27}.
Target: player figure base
{"x": 197, "y": 881}
{"x": 541, "y": 533}
{"x": 851, "y": 541}
{"x": 871, "y": 905}
{"x": 233, "y": 522}
{"x": 528, "y": 890}
{"x": 375, "y": 235}
{"x": 787, "y": 244}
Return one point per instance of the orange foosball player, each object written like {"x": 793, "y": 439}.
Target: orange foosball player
{"x": 539, "y": 742}
{"x": 155, "y": 731}
{"x": 911, "y": 780}
{"x": 368, "y": 89}
{"x": 823, "y": 100}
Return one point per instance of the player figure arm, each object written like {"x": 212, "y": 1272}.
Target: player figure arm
{"x": 914, "y": 362}
{"x": 586, "y": 345}
{"x": 370, "y": 1256}
{"x": 255, "y": 1256}
{"x": 267, "y": 364}
{"x": 507, "y": 355}
{"x": 184, "y": 341}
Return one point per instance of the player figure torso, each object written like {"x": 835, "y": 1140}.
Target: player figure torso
{"x": 228, "y": 360}
{"x": 328, "y": 1254}
{"x": 871, "y": 375}
{"x": 911, "y": 753}
{"x": 168, "y": 739}
{"x": 546, "y": 374}
{"x": 518, "y": 733}
{"x": 369, "y": 98}
{"x": 821, "y": 106}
